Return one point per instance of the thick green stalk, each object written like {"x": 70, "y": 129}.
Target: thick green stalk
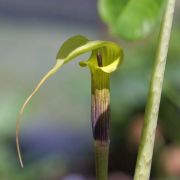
{"x": 143, "y": 166}
{"x": 101, "y": 158}
{"x": 100, "y": 120}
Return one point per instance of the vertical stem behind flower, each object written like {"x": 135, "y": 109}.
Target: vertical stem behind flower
{"x": 100, "y": 85}
{"x": 143, "y": 165}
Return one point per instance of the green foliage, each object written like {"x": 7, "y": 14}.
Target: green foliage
{"x": 131, "y": 19}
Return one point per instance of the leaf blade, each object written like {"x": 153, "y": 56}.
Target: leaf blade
{"x": 132, "y": 19}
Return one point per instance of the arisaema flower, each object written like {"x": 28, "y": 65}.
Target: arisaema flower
{"x": 105, "y": 58}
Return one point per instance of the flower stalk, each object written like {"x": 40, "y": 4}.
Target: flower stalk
{"x": 145, "y": 153}
{"x": 100, "y": 99}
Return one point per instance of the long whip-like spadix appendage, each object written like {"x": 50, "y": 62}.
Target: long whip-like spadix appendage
{"x": 50, "y": 73}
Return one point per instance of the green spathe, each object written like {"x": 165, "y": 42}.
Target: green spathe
{"x": 111, "y": 54}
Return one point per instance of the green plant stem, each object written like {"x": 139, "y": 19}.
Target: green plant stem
{"x": 100, "y": 121}
{"x": 143, "y": 165}
{"x": 101, "y": 157}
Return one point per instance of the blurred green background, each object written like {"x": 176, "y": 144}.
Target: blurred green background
{"x": 56, "y": 137}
